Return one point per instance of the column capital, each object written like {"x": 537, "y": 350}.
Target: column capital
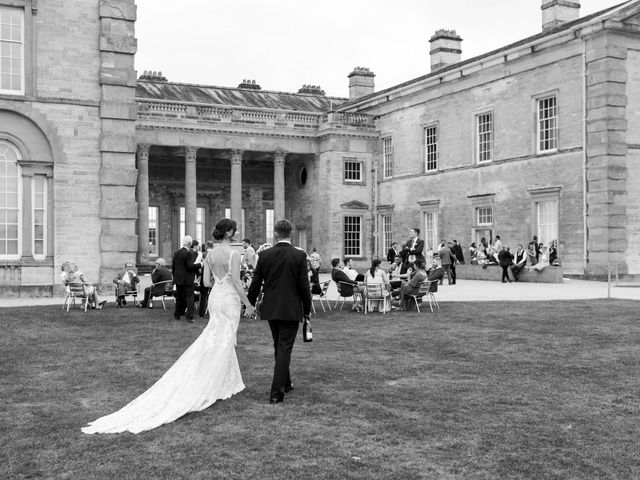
{"x": 143, "y": 150}
{"x": 236, "y": 156}
{"x": 190, "y": 152}
{"x": 279, "y": 156}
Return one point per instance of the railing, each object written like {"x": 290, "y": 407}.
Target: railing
{"x": 150, "y": 110}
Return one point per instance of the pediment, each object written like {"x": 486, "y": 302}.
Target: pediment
{"x": 355, "y": 205}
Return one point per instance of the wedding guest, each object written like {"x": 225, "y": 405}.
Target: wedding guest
{"x": 505, "y": 258}
{"x": 412, "y": 250}
{"x": 456, "y": 249}
{"x": 542, "y": 259}
{"x": 126, "y": 280}
{"x": 520, "y": 261}
{"x": 473, "y": 253}
{"x": 314, "y": 269}
{"x": 351, "y": 272}
{"x": 392, "y": 252}
{"x": 249, "y": 258}
{"x": 412, "y": 286}
{"x": 553, "y": 253}
{"x": 446, "y": 260}
{"x": 203, "y": 288}
{"x": 184, "y": 269}
{"x": 377, "y": 275}
{"x": 347, "y": 285}
{"x": 71, "y": 274}
{"x": 160, "y": 274}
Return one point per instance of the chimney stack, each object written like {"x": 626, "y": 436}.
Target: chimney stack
{"x": 445, "y": 49}
{"x": 360, "y": 82}
{"x": 557, "y": 12}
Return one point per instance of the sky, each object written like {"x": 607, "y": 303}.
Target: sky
{"x": 285, "y": 44}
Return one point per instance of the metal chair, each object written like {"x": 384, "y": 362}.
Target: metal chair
{"x": 168, "y": 291}
{"x": 354, "y": 295}
{"x": 426, "y": 289}
{"x": 375, "y": 292}
{"x": 76, "y": 292}
{"x": 324, "y": 286}
{"x": 132, "y": 292}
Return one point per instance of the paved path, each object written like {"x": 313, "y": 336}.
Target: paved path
{"x": 463, "y": 291}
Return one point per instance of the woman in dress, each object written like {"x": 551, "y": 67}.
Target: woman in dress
{"x": 208, "y": 370}
{"x": 377, "y": 275}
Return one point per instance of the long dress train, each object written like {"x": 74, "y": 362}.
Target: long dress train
{"x": 207, "y": 371}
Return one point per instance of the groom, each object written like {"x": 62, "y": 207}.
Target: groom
{"x": 282, "y": 273}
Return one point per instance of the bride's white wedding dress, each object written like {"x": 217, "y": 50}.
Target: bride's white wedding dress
{"x": 207, "y": 371}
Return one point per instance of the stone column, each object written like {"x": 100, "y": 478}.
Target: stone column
{"x": 142, "y": 194}
{"x": 236, "y": 186}
{"x": 190, "y": 190}
{"x": 278, "y": 185}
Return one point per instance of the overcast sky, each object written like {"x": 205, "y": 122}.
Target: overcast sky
{"x": 284, "y": 44}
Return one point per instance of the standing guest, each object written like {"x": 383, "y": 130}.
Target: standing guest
{"x": 454, "y": 262}
{"x": 519, "y": 262}
{"x": 377, "y": 275}
{"x": 160, "y": 274}
{"x": 351, "y": 272}
{"x": 126, "y": 280}
{"x": 392, "y": 252}
{"x": 281, "y": 272}
{"x": 412, "y": 250}
{"x": 184, "y": 270}
{"x": 532, "y": 257}
{"x": 536, "y": 247}
{"x": 553, "y": 253}
{"x": 71, "y": 274}
{"x": 505, "y": 258}
{"x": 249, "y": 259}
{"x": 456, "y": 249}
{"x": 204, "y": 288}
{"x": 446, "y": 260}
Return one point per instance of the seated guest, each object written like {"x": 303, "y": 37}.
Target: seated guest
{"x": 473, "y": 253}
{"x": 347, "y": 285}
{"x": 160, "y": 274}
{"x": 376, "y": 275}
{"x": 532, "y": 255}
{"x": 412, "y": 286}
{"x": 126, "y": 280}
{"x": 520, "y": 261}
{"x": 71, "y": 274}
{"x": 542, "y": 259}
{"x": 436, "y": 272}
{"x": 351, "y": 272}
{"x": 398, "y": 272}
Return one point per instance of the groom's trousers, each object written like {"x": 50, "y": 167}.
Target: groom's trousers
{"x": 284, "y": 335}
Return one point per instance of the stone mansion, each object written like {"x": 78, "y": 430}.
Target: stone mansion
{"x": 101, "y": 166}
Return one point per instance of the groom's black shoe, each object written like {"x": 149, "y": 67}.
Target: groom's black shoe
{"x": 273, "y": 400}
{"x": 288, "y": 389}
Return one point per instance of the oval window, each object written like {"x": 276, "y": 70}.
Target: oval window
{"x": 303, "y": 176}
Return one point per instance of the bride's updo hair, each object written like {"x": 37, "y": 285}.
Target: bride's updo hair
{"x": 222, "y": 227}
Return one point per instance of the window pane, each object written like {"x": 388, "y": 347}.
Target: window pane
{"x": 485, "y": 137}
{"x": 431, "y": 148}
{"x": 352, "y": 231}
{"x": 387, "y": 157}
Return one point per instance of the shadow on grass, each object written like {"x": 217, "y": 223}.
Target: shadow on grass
{"x": 501, "y": 390}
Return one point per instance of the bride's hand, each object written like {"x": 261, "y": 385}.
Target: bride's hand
{"x": 249, "y": 310}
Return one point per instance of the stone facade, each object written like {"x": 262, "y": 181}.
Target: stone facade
{"x": 102, "y": 146}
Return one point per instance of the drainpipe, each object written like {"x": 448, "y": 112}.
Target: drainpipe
{"x": 374, "y": 202}
{"x": 585, "y": 254}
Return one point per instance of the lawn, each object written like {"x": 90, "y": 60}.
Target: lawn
{"x": 547, "y": 390}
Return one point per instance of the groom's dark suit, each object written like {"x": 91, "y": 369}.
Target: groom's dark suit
{"x": 282, "y": 273}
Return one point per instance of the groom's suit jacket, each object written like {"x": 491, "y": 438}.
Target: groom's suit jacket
{"x": 282, "y": 273}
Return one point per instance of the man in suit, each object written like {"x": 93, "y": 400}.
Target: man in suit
{"x": 184, "y": 270}
{"x": 393, "y": 252}
{"x": 281, "y": 272}
{"x": 414, "y": 247}
{"x": 160, "y": 274}
{"x": 446, "y": 260}
{"x": 456, "y": 249}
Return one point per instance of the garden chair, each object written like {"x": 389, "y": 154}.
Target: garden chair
{"x": 76, "y": 292}
{"x": 375, "y": 292}
{"x": 324, "y": 286}
{"x": 354, "y": 296}
{"x": 129, "y": 293}
{"x": 426, "y": 289}
{"x": 167, "y": 292}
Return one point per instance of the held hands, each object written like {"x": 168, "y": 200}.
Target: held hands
{"x": 249, "y": 310}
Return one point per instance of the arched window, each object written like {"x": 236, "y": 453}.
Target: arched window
{"x": 10, "y": 201}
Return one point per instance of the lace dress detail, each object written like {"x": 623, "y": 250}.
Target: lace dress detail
{"x": 207, "y": 371}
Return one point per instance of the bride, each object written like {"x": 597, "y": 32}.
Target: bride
{"x": 208, "y": 370}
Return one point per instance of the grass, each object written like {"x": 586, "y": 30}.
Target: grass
{"x": 506, "y": 391}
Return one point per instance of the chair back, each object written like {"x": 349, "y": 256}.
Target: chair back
{"x": 433, "y": 286}
{"x": 76, "y": 289}
{"x": 325, "y": 288}
{"x": 374, "y": 291}
{"x": 424, "y": 288}
{"x": 168, "y": 286}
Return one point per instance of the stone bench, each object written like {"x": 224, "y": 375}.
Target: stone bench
{"x": 549, "y": 274}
